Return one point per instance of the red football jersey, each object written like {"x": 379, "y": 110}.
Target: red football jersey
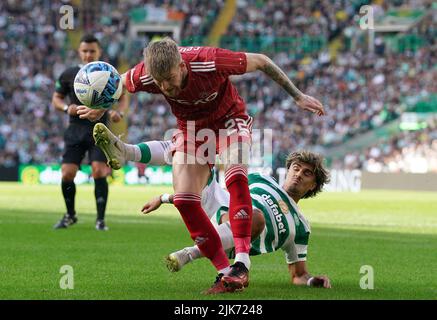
{"x": 209, "y": 94}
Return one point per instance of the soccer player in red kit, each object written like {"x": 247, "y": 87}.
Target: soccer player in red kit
{"x": 195, "y": 82}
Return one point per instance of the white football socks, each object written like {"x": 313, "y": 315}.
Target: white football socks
{"x": 150, "y": 152}
{"x": 160, "y": 153}
{"x": 133, "y": 152}
{"x": 244, "y": 258}
{"x": 225, "y": 271}
{"x": 225, "y": 233}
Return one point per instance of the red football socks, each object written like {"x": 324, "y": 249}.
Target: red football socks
{"x": 201, "y": 229}
{"x": 240, "y": 207}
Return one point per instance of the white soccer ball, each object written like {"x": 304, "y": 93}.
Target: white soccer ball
{"x": 98, "y": 85}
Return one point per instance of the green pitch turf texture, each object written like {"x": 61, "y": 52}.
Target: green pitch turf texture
{"x": 394, "y": 232}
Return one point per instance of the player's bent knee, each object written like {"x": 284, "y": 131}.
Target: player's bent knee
{"x": 68, "y": 172}
{"x": 99, "y": 170}
{"x": 97, "y": 174}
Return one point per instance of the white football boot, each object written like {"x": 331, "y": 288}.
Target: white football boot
{"x": 176, "y": 260}
{"x": 113, "y": 148}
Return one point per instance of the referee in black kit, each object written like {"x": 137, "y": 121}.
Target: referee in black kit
{"x": 78, "y": 138}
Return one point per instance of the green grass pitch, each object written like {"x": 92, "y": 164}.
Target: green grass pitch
{"x": 394, "y": 232}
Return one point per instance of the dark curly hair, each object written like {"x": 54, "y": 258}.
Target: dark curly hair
{"x": 316, "y": 160}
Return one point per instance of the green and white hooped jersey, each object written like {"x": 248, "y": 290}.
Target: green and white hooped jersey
{"x": 285, "y": 228}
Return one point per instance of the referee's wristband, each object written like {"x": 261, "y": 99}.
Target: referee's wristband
{"x": 309, "y": 281}
{"x": 65, "y": 108}
{"x": 165, "y": 198}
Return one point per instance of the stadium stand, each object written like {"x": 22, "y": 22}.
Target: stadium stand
{"x": 412, "y": 152}
{"x": 361, "y": 90}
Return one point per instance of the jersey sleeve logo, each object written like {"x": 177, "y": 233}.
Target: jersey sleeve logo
{"x": 188, "y": 49}
{"x": 146, "y": 80}
{"x": 206, "y": 66}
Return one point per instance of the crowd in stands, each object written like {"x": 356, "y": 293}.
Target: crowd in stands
{"x": 360, "y": 90}
{"x": 31, "y": 49}
{"x": 413, "y": 152}
{"x": 109, "y": 21}
{"x": 34, "y": 52}
{"x": 270, "y": 19}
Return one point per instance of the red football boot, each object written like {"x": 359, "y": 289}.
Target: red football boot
{"x": 218, "y": 286}
{"x": 238, "y": 278}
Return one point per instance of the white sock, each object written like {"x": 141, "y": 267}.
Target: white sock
{"x": 155, "y": 152}
{"x": 225, "y": 233}
{"x": 225, "y": 271}
{"x": 244, "y": 258}
{"x": 151, "y": 152}
{"x": 160, "y": 153}
{"x": 195, "y": 252}
{"x": 133, "y": 152}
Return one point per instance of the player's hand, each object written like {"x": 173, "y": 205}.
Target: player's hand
{"x": 309, "y": 103}
{"x": 114, "y": 115}
{"x": 91, "y": 114}
{"x": 321, "y": 282}
{"x": 152, "y": 205}
{"x": 72, "y": 110}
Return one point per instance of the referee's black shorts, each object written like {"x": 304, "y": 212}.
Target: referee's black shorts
{"x": 78, "y": 140}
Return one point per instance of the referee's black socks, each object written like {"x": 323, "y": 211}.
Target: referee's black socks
{"x": 101, "y": 193}
{"x": 69, "y": 192}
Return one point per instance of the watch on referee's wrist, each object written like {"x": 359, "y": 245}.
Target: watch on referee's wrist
{"x": 65, "y": 108}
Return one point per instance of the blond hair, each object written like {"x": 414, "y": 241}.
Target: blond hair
{"x": 316, "y": 160}
{"x": 161, "y": 57}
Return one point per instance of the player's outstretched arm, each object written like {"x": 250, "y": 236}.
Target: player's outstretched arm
{"x": 256, "y": 61}
{"x": 59, "y": 103}
{"x": 300, "y": 276}
{"x": 156, "y": 202}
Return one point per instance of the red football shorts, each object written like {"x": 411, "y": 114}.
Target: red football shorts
{"x": 206, "y": 138}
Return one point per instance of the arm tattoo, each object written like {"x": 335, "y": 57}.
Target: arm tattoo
{"x": 274, "y": 72}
